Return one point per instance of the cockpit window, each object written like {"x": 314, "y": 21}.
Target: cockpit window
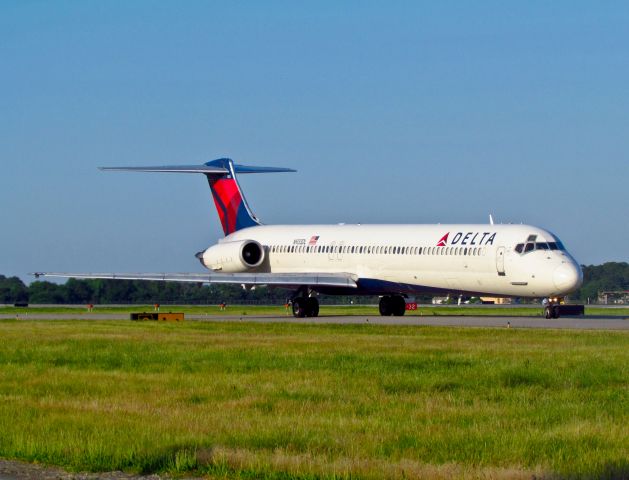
{"x": 530, "y": 246}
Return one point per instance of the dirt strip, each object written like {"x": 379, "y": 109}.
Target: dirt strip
{"x": 14, "y": 470}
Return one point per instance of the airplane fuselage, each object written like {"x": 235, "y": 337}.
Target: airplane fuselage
{"x": 497, "y": 260}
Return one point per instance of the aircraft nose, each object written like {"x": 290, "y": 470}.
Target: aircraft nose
{"x": 568, "y": 277}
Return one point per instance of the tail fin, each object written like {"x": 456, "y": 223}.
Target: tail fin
{"x": 233, "y": 210}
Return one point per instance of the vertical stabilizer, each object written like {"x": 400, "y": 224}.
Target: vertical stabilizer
{"x": 231, "y": 204}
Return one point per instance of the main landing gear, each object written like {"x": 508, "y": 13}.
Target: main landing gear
{"x": 392, "y": 305}
{"x": 305, "y": 305}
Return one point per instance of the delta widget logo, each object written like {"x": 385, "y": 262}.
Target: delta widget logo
{"x": 468, "y": 238}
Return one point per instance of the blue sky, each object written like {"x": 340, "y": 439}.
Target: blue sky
{"x": 392, "y": 112}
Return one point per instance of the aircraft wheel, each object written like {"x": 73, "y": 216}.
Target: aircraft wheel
{"x": 312, "y": 307}
{"x": 556, "y": 311}
{"x": 299, "y": 307}
{"x": 399, "y": 305}
{"x": 385, "y": 306}
{"x": 548, "y": 313}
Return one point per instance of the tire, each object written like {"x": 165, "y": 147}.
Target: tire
{"x": 548, "y": 313}
{"x": 312, "y": 307}
{"x": 385, "y": 306}
{"x": 556, "y": 311}
{"x": 399, "y": 305}
{"x": 299, "y": 307}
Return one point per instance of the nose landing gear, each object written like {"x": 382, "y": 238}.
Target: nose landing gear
{"x": 551, "y": 311}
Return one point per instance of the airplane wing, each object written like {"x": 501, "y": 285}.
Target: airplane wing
{"x": 273, "y": 279}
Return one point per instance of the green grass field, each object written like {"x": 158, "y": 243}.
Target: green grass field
{"x": 311, "y": 401}
{"x": 325, "y": 310}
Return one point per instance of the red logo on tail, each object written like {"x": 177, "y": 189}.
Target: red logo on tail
{"x": 443, "y": 241}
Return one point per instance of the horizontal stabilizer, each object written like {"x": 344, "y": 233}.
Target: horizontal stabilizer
{"x": 276, "y": 279}
{"x": 215, "y": 167}
{"x": 232, "y": 208}
{"x": 172, "y": 169}
{"x": 248, "y": 169}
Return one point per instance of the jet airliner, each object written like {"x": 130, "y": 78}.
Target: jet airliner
{"x": 390, "y": 261}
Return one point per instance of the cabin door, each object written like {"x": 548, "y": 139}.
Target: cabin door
{"x": 500, "y": 260}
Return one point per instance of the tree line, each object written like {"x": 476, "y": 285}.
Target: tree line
{"x": 597, "y": 278}
{"x": 73, "y": 291}
{"x": 610, "y": 276}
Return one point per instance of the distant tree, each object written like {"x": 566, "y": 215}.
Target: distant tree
{"x": 605, "y": 277}
{"x": 79, "y": 291}
{"x": 47, "y": 292}
{"x": 12, "y": 290}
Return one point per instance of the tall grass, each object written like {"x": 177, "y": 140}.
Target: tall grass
{"x": 278, "y": 400}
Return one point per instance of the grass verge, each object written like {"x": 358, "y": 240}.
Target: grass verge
{"x": 315, "y": 401}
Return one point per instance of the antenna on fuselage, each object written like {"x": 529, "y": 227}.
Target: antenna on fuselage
{"x": 491, "y": 219}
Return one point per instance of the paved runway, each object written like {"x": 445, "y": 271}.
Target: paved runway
{"x": 572, "y": 323}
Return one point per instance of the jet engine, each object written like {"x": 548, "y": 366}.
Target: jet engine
{"x": 233, "y": 257}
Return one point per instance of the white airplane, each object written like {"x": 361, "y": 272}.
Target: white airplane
{"x": 392, "y": 261}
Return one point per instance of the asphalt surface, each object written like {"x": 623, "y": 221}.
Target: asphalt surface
{"x": 590, "y": 322}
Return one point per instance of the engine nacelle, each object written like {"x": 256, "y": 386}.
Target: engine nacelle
{"x": 234, "y": 257}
